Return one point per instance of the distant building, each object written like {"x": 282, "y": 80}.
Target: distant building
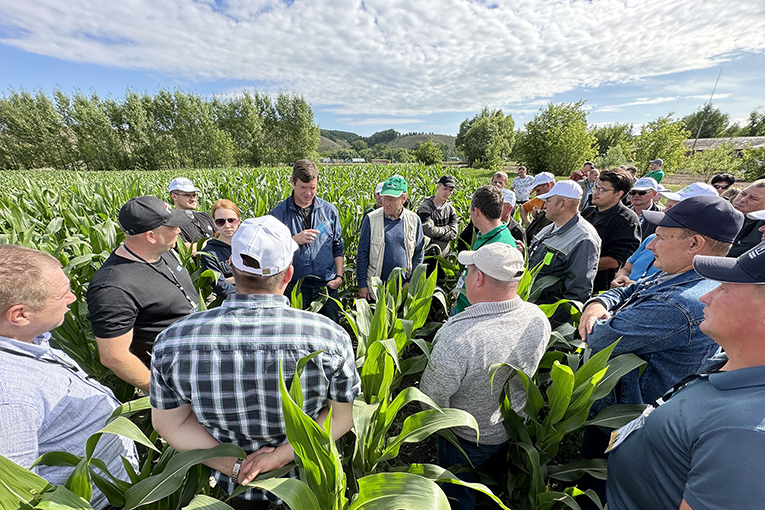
{"x": 740, "y": 143}
{"x": 358, "y": 160}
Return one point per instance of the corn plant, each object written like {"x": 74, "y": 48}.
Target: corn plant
{"x": 558, "y": 401}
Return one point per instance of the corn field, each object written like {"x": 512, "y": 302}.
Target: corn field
{"x": 72, "y": 216}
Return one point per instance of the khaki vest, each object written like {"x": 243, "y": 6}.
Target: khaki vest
{"x": 377, "y": 240}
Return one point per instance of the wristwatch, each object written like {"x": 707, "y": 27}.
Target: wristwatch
{"x": 237, "y": 468}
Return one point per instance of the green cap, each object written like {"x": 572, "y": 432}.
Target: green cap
{"x": 394, "y": 187}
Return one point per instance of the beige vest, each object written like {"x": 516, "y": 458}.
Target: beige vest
{"x": 377, "y": 240}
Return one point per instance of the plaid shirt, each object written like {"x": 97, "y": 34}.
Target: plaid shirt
{"x": 224, "y": 362}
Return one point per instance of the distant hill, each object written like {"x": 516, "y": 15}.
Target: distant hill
{"x": 409, "y": 141}
{"x": 327, "y": 144}
{"x": 333, "y": 139}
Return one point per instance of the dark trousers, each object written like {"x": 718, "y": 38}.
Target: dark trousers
{"x": 462, "y": 498}
{"x": 311, "y": 292}
{"x": 250, "y": 504}
{"x": 594, "y": 446}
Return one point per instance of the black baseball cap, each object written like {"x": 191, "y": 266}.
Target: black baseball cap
{"x": 713, "y": 217}
{"x": 141, "y": 214}
{"x": 749, "y": 267}
{"x": 448, "y": 181}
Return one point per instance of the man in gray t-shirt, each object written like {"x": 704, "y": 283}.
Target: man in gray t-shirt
{"x": 498, "y": 327}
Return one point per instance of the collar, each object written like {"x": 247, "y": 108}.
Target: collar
{"x": 256, "y": 301}
{"x": 37, "y": 347}
{"x": 749, "y": 377}
{"x": 490, "y": 309}
{"x": 491, "y": 232}
{"x": 317, "y": 202}
{"x": 611, "y": 209}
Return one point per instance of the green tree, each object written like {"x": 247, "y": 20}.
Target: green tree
{"x": 752, "y": 163}
{"x": 712, "y": 122}
{"x": 755, "y": 125}
{"x": 401, "y": 155}
{"x": 359, "y": 145}
{"x": 557, "y": 139}
{"x": 613, "y": 135}
{"x": 486, "y": 139}
{"x": 428, "y": 153}
{"x": 662, "y": 138}
{"x": 719, "y": 159}
{"x": 614, "y": 157}
{"x": 240, "y": 118}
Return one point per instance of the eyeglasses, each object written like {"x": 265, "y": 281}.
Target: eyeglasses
{"x": 601, "y": 189}
{"x": 636, "y": 192}
{"x": 186, "y": 195}
{"x": 222, "y": 221}
{"x": 721, "y": 186}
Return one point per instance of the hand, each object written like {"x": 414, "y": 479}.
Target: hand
{"x": 621, "y": 281}
{"x": 307, "y": 236}
{"x": 364, "y": 293}
{"x": 335, "y": 283}
{"x": 520, "y": 246}
{"x": 264, "y": 460}
{"x": 593, "y": 312}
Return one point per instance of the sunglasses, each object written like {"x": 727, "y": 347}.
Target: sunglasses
{"x": 721, "y": 186}
{"x": 222, "y": 221}
{"x": 636, "y": 192}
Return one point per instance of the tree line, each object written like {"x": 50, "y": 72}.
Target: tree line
{"x": 559, "y": 140}
{"x": 165, "y": 130}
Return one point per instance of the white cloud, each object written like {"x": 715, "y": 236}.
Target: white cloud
{"x": 706, "y": 97}
{"x": 396, "y": 57}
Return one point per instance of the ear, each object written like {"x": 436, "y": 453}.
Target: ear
{"x": 18, "y": 315}
{"x": 288, "y": 274}
{"x": 150, "y": 236}
{"x": 698, "y": 243}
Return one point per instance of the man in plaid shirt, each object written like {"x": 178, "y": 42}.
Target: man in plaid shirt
{"x": 214, "y": 374}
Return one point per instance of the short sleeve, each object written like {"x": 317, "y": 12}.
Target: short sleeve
{"x": 112, "y": 312}
{"x": 161, "y": 394}
{"x": 345, "y": 382}
{"x": 726, "y": 471}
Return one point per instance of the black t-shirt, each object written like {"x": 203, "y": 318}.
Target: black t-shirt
{"x": 619, "y": 231}
{"x": 125, "y": 294}
{"x": 202, "y": 226}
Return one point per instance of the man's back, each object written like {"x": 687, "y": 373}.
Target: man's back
{"x": 225, "y": 363}
{"x": 468, "y": 344}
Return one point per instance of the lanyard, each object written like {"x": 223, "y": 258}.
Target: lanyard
{"x": 171, "y": 277}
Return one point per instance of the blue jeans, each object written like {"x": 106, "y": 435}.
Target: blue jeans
{"x": 462, "y": 498}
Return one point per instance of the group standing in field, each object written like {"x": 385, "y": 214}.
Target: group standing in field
{"x": 669, "y": 295}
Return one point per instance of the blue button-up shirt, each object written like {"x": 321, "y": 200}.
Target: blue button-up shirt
{"x": 48, "y": 404}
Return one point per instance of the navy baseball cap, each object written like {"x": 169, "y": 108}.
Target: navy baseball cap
{"x": 713, "y": 217}
{"x": 747, "y": 268}
{"x": 141, "y": 214}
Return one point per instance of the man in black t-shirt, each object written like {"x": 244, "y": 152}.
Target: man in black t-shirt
{"x": 141, "y": 289}
{"x": 184, "y": 195}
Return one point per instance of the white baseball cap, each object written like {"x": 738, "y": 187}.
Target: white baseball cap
{"x": 697, "y": 189}
{"x": 568, "y": 189}
{"x": 757, "y": 215}
{"x": 182, "y": 184}
{"x": 378, "y": 188}
{"x": 646, "y": 183}
{"x": 509, "y": 196}
{"x": 542, "y": 178}
{"x": 498, "y": 260}
{"x": 266, "y": 240}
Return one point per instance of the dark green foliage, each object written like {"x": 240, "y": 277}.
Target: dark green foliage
{"x": 428, "y": 153}
{"x": 613, "y": 135}
{"x": 711, "y": 121}
{"x": 170, "y": 129}
{"x": 486, "y": 139}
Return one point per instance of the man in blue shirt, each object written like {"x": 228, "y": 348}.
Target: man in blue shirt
{"x": 315, "y": 227}
{"x": 705, "y": 447}
{"x": 47, "y": 402}
{"x": 657, "y": 318}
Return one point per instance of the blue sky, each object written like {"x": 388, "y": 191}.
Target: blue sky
{"x": 413, "y": 66}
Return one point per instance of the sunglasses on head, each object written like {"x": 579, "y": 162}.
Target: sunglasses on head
{"x": 721, "y": 186}
{"x": 636, "y": 192}
{"x": 222, "y": 221}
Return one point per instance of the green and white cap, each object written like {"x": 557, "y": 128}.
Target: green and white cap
{"x": 394, "y": 187}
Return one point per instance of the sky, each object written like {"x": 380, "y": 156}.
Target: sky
{"x": 411, "y": 65}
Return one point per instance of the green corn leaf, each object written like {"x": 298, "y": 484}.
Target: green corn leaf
{"x": 616, "y": 416}
{"x": 559, "y": 393}
{"x": 402, "y": 491}
{"x": 420, "y": 425}
{"x": 202, "y": 502}
{"x": 19, "y": 484}
{"x": 617, "y": 368}
{"x": 575, "y": 469}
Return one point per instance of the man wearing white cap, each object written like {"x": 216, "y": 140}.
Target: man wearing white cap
{"x": 543, "y": 182}
{"x": 498, "y": 327}
{"x": 641, "y": 198}
{"x": 215, "y": 374}
{"x": 569, "y": 248}
{"x": 184, "y": 195}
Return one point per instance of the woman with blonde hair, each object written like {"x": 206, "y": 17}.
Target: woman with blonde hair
{"x": 227, "y": 217}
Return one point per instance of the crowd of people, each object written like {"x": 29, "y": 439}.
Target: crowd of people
{"x": 681, "y": 285}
